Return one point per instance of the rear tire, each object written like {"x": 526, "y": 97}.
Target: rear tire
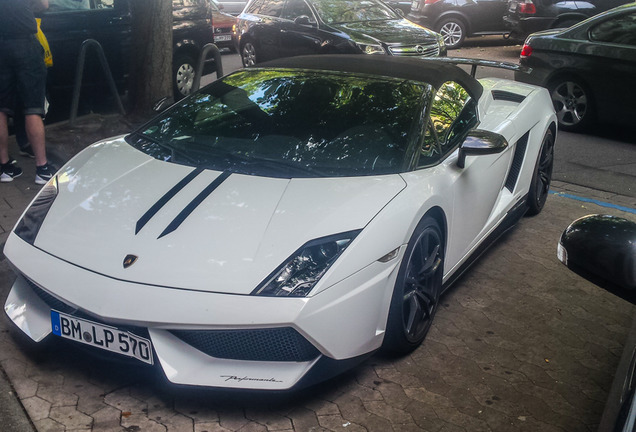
{"x": 542, "y": 177}
{"x": 417, "y": 289}
{"x": 572, "y": 102}
{"x": 454, "y": 32}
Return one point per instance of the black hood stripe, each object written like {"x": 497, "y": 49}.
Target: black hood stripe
{"x": 164, "y": 199}
{"x": 195, "y": 203}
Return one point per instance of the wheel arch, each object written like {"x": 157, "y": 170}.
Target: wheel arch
{"x": 438, "y": 214}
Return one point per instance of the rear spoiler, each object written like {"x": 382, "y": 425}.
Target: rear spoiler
{"x": 479, "y": 62}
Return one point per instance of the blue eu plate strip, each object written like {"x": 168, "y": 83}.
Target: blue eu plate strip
{"x": 55, "y": 323}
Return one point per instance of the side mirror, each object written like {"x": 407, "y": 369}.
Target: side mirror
{"x": 303, "y": 20}
{"x": 162, "y": 104}
{"x": 399, "y": 11}
{"x": 480, "y": 142}
{"x": 602, "y": 249}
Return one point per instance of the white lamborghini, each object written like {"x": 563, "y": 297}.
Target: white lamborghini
{"x": 284, "y": 222}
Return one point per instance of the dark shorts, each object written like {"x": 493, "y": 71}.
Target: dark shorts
{"x": 22, "y": 75}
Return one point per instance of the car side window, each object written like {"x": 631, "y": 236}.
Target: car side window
{"x": 619, "y": 30}
{"x": 271, "y": 8}
{"x": 296, "y": 8}
{"x": 453, "y": 113}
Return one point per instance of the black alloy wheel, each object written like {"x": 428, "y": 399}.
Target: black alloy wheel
{"x": 572, "y": 103}
{"x": 542, "y": 177}
{"x": 417, "y": 289}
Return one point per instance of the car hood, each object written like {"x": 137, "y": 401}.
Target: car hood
{"x": 389, "y": 32}
{"x": 213, "y": 233}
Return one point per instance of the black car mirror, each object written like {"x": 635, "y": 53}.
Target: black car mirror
{"x": 399, "y": 11}
{"x": 602, "y": 249}
{"x": 480, "y": 142}
{"x": 162, "y": 104}
{"x": 304, "y": 20}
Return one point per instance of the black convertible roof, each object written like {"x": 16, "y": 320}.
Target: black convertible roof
{"x": 434, "y": 71}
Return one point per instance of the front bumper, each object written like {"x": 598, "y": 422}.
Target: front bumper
{"x": 342, "y": 324}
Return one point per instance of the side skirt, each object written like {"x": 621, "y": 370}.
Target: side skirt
{"x": 512, "y": 217}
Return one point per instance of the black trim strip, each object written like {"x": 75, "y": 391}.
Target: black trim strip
{"x": 195, "y": 203}
{"x": 164, "y": 199}
{"x": 509, "y": 221}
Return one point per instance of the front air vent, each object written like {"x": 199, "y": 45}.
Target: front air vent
{"x": 271, "y": 344}
{"x": 507, "y": 96}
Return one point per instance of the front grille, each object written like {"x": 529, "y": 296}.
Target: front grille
{"x": 423, "y": 50}
{"x": 51, "y": 301}
{"x": 60, "y": 306}
{"x": 275, "y": 344}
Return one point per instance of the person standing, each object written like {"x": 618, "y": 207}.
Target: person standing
{"x": 22, "y": 79}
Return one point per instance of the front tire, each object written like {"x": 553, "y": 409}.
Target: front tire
{"x": 248, "y": 54}
{"x": 454, "y": 32}
{"x": 542, "y": 177}
{"x": 417, "y": 289}
{"x": 572, "y": 102}
{"x": 183, "y": 71}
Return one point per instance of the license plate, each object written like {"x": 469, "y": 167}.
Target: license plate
{"x": 101, "y": 336}
{"x": 222, "y": 38}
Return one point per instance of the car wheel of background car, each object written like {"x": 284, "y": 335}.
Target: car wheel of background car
{"x": 572, "y": 103}
{"x": 248, "y": 54}
{"x": 540, "y": 184}
{"x": 454, "y": 32}
{"x": 183, "y": 71}
{"x": 417, "y": 289}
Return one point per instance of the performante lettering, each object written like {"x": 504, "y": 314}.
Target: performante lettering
{"x": 239, "y": 379}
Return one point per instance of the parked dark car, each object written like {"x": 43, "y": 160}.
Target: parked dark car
{"x": 602, "y": 249}
{"x": 270, "y": 29}
{"x": 67, "y": 23}
{"x": 588, "y": 68}
{"x": 528, "y": 16}
{"x": 458, "y": 19}
{"x": 224, "y": 28}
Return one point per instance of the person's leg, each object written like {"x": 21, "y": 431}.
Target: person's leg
{"x": 4, "y": 139}
{"x": 35, "y": 133}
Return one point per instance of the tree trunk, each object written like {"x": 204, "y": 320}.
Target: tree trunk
{"x": 151, "y": 63}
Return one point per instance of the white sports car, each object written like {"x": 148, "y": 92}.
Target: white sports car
{"x": 284, "y": 222}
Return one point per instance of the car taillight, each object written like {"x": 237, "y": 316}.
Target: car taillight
{"x": 527, "y": 8}
{"x": 526, "y": 51}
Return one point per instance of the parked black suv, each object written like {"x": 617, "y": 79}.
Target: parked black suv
{"x": 67, "y": 23}
{"x": 270, "y": 29}
{"x": 528, "y": 16}
{"x": 459, "y": 19}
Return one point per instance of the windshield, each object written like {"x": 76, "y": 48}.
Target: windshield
{"x": 345, "y": 11}
{"x": 290, "y": 123}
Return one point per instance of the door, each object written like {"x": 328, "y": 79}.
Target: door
{"x": 299, "y": 34}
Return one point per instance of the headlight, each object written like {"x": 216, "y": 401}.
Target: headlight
{"x": 442, "y": 44}
{"x": 298, "y": 275}
{"x": 371, "y": 49}
{"x": 28, "y": 227}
